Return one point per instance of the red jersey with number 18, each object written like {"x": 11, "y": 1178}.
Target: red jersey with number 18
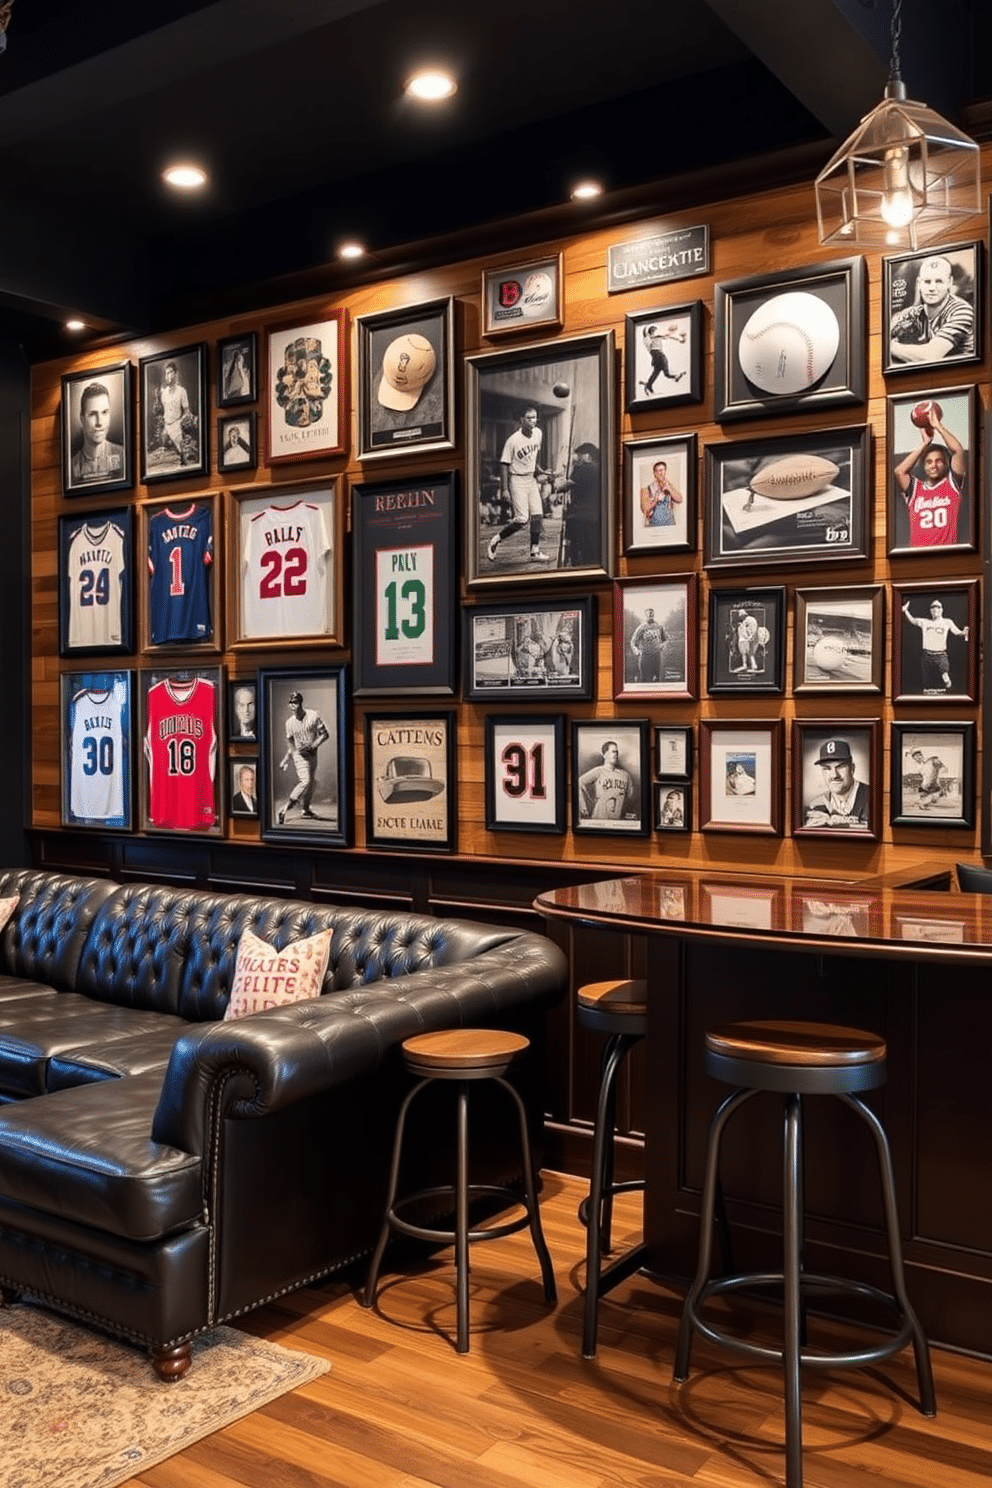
{"x": 285, "y": 572}
{"x": 933, "y": 513}
{"x": 181, "y": 748}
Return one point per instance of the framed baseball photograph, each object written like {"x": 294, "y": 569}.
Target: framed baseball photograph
{"x": 659, "y": 495}
{"x": 405, "y": 585}
{"x": 655, "y": 624}
{"x": 285, "y": 565}
{"x": 611, "y": 786}
{"x": 305, "y": 765}
{"x": 172, "y": 388}
{"x": 97, "y": 424}
{"x": 405, "y": 389}
{"x": 790, "y": 342}
{"x": 535, "y": 650}
{"x": 931, "y": 308}
{"x": 237, "y": 449}
{"x": 746, "y": 641}
{"x": 96, "y": 582}
{"x": 411, "y": 781}
{"x": 242, "y": 710}
{"x": 96, "y": 749}
{"x": 839, "y": 639}
{"x": 932, "y": 774}
{"x": 242, "y": 785}
{"x": 179, "y": 601}
{"x": 672, "y": 806}
{"x": 305, "y": 389}
{"x": 741, "y": 776}
{"x": 237, "y": 370}
{"x": 673, "y": 744}
{"x": 836, "y": 778}
{"x": 933, "y": 462}
{"x": 180, "y": 733}
{"x": 540, "y": 497}
{"x": 525, "y": 773}
{"x": 935, "y": 642}
{"x": 798, "y": 499}
{"x": 663, "y": 357}
{"x": 522, "y": 297}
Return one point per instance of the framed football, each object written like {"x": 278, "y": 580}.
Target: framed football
{"x": 794, "y": 476}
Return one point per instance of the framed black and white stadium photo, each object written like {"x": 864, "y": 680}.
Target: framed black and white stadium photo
{"x": 663, "y": 357}
{"x": 659, "y": 495}
{"x": 932, "y": 308}
{"x": 181, "y": 777}
{"x": 611, "y": 784}
{"x": 285, "y": 565}
{"x": 172, "y": 388}
{"x": 411, "y": 781}
{"x": 935, "y": 642}
{"x": 405, "y": 379}
{"x": 96, "y": 722}
{"x": 839, "y": 639}
{"x": 97, "y": 423}
{"x": 304, "y": 757}
{"x": 237, "y": 370}
{"x": 746, "y": 651}
{"x": 933, "y": 466}
{"x": 96, "y": 582}
{"x": 525, "y": 773}
{"x": 932, "y": 774}
{"x": 536, "y": 650}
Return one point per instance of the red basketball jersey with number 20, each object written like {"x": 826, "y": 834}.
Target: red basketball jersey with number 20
{"x": 181, "y": 748}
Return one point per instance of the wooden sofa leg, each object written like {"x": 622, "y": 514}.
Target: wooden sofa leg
{"x": 171, "y": 1364}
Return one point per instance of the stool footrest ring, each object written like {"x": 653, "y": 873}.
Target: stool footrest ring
{"x": 474, "y": 1191}
{"x": 630, "y": 1185}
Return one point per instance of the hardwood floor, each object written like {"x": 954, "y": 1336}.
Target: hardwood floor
{"x": 400, "y": 1409}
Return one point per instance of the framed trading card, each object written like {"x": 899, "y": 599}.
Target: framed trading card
{"x": 931, "y": 308}
{"x": 405, "y": 379}
{"x": 654, "y": 637}
{"x": 746, "y": 641}
{"x": 96, "y": 595}
{"x": 611, "y": 789}
{"x": 659, "y": 495}
{"x": 525, "y": 773}
{"x": 180, "y": 730}
{"x": 932, "y": 774}
{"x": 836, "y": 778}
{"x": 178, "y": 544}
{"x": 242, "y": 710}
{"x": 663, "y": 357}
{"x": 672, "y": 806}
{"x": 839, "y": 639}
{"x": 97, "y": 431}
{"x": 405, "y": 585}
{"x": 304, "y": 762}
{"x": 522, "y": 297}
{"x": 411, "y": 781}
{"x": 799, "y": 499}
{"x": 285, "y": 570}
{"x": 935, "y": 642}
{"x": 534, "y": 650}
{"x": 237, "y": 449}
{"x": 540, "y": 497}
{"x": 673, "y": 750}
{"x": 305, "y": 389}
{"x": 242, "y": 781}
{"x": 932, "y": 468}
{"x": 174, "y": 425}
{"x": 96, "y": 749}
{"x": 790, "y": 341}
{"x": 237, "y": 370}
{"x": 741, "y": 776}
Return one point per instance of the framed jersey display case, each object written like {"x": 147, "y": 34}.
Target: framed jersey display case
{"x": 285, "y": 565}
{"x": 96, "y": 590}
{"x": 180, "y": 733}
{"x": 177, "y": 540}
{"x": 96, "y": 749}
{"x": 525, "y": 773}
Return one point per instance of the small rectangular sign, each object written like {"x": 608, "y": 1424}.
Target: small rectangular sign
{"x": 681, "y": 254}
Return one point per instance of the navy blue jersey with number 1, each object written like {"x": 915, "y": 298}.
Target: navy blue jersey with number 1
{"x": 180, "y": 552}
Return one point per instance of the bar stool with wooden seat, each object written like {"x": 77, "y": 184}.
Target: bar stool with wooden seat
{"x": 798, "y": 1059}
{"x": 463, "y": 1055}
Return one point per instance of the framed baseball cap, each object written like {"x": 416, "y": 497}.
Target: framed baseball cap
{"x": 408, "y": 365}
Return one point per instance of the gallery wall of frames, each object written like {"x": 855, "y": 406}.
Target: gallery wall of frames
{"x": 519, "y": 559}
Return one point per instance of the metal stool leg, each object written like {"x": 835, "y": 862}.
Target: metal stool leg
{"x": 530, "y": 1196}
{"x": 792, "y": 1274}
{"x": 461, "y": 1221}
{"x": 368, "y": 1296}
{"x": 599, "y": 1205}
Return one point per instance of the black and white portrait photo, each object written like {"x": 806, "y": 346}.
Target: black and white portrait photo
{"x": 654, "y": 637}
{"x": 242, "y": 712}
{"x": 236, "y": 448}
{"x": 610, "y": 777}
{"x": 672, "y": 806}
{"x": 304, "y": 768}
{"x": 835, "y": 779}
{"x": 930, "y": 312}
{"x": 934, "y": 641}
{"x": 173, "y": 409}
{"x": 97, "y": 435}
{"x": 237, "y": 376}
{"x": 746, "y": 635}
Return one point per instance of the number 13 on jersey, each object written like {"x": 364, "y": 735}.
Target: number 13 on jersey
{"x": 404, "y": 606}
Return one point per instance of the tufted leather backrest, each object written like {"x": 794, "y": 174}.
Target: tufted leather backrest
{"x": 45, "y": 937}
{"x": 137, "y": 949}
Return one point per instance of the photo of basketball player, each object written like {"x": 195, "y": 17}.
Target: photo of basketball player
{"x": 610, "y": 787}
{"x": 931, "y": 500}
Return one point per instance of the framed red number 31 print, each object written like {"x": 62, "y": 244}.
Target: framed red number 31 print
{"x": 525, "y": 773}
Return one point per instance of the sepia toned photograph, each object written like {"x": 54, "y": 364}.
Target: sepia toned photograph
{"x": 97, "y": 431}
{"x": 672, "y": 806}
{"x": 236, "y": 447}
{"x": 836, "y": 778}
{"x": 305, "y": 389}
{"x": 411, "y": 781}
{"x": 237, "y": 369}
{"x": 932, "y": 774}
{"x": 242, "y": 781}
{"x": 839, "y": 641}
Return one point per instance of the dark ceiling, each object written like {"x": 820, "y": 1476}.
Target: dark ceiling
{"x": 296, "y": 109}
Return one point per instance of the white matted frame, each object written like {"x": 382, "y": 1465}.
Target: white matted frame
{"x": 741, "y": 776}
{"x": 663, "y": 357}
{"x": 932, "y": 769}
{"x": 285, "y": 564}
{"x": 305, "y": 388}
{"x": 838, "y": 642}
{"x": 522, "y": 296}
{"x": 655, "y": 623}
{"x": 525, "y": 773}
{"x": 659, "y": 495}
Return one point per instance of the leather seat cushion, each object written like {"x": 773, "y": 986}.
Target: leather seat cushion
{"x": 32, "y": 1034}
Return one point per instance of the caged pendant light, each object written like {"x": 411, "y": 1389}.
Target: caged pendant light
{"x": 904, "y": 178}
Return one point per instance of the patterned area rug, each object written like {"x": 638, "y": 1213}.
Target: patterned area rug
{"x": 81, "y": 1410}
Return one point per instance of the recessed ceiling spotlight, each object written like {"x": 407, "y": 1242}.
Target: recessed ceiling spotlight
{"x": 75, "y": 325}
{"x": 351, "y": 250}
{"x": 432, "y": 86}
{"x": 185, "y": 176}
{"x": 586, "y": 190}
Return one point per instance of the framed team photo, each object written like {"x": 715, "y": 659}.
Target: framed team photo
{"x": 96, "y": 583}
{"x": 237, "y": 370}
{"x": 525, "y": 773}
{"x": 932, "y": 458}
{"x": 655, "y": 623}
{"x": 836, "y": 778}
{"x": 242, "y": 710}
{"x": 611, "y": 786}
{"x": 97, "y": 424}
{"x": 97, "y": 788}
{"x": 305, "y": 389}
{"x": 746, "y": 641}
{"x": 411, "y": 781}
{"x": 285, "y": 565}
{"x": 172, "y": 388}
{"x": 405, "y": 379}
{"x": 539, "y": 469}
{"x": 672, "y": 806}
{"x": 673, "y": 745}
{"x": 181, "y": 787}
{"x": 659, "y": 495}
{"x": 176, "y": 541}
{"x": 932, "y": 308}
{"x": 932, "y": 774}
{"x": 741, "y": 776}
{"x": 535, "y": 650}
{"x": 242, "y": 785}
{"x": 663, "y": 357}
{"x": 935, "y": 642}
{"x": 304, "y": 759}
{"x": 405, "y": 585}
{"x": 237, "y": 449}
{"x": 522, "y": 297}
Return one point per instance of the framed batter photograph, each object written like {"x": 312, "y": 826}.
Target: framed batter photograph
{"x": 790, "y": 342}
{"x": 672, "y": 806}
{"x": 839, "y": 639}
{"x": 540, "y": 469}
{"x": 285, "y": 565}
{"x": 611, "y": 785}
{"x": 522, "y": 297}
{"x": 172, "y": 388}
{"x": 741, "y": 777}
{"x": 659, "y": 495}
{"x": 96, "y": 588}
{"x": 305, "y": 765}
{"x": 411, "y": 781}
{"x": 242, "y": 710}
{"x": 932, "y": 769}
{"x": 931, "y": 308}
{"x": 237, "y": 370}
{"x": 237, "y": 449}
{"x": 405, "y": 585}
{"x": 181, "y": 790}
{"x": 405, "y": 381}
{"x": 746, "y": 651}
{"x": 798, "y": 499}
{"x": 935, "y": 642}
{"x": 673, "y": 744}
{"x": 663, "y": 357}
{"x": 97, "y": 424}
{"x": 536, "y": 650}
{"x": 836, "y": 778}
{"x": 655, "y": 623}
{"x": 97, "y": 789}
{"x": 305, "y": 389}
{"x": 242, "y": 785}
{"x": 932, "y": 458}
{"x": 525, "y": 773}
{"x": 178, "y": 606}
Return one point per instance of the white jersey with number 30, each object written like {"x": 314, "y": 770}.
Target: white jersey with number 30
{"x": 285, "y": 572}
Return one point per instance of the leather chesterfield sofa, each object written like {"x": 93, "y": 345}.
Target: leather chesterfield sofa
{"x": 163, "y": 1170}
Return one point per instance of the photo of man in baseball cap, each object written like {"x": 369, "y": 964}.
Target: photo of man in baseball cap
{"x": 844, "y": 802}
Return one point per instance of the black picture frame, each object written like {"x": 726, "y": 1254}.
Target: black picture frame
{"x": 286, "y": 565}
{"x": 921, "y": 669}
{"x": 908, "y": 342}
{"x": 526, "y": 783}
{"x": 532, "y": 650}
{"x": 819, "y": 746}
{"x": 667, "y": 342}
{"x": 96, "y": 583}
{"x": 659, "y": 505}
{"x": 791, "y": 341}
{"x": 928, "y": 788}
{"x": 838, "y": 641}
{"x": 97, "y": 726}
{"x": 237, "y": 443}
{"x": 672, "y": 805}
{"x": 655, "y": 626}
{"x": 181, "y": 782}
{"x": 741, "y": 776}
{"x": 242, "y": 710}
{"x": 97, "y": 428}
{"x": 405, "y": 585}
{"x": 611, "y": 795}
{"x": 746, "y": 644}
{"x": 673, "y": 748}
{"x": 175, "y": 441}
{"x": 930, "y": 518}
{"x": 325, "y": 692}
{"x": 237, "y": 370}
{"x": 179, "y": 594}
{"x": 405, "y": 379}
{"x": 411, "y": 780}
{"x": 241, "y": 767}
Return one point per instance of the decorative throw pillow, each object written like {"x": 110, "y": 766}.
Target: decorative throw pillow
{"x": 7, "y": 907}
{"x": 266, "y": 978}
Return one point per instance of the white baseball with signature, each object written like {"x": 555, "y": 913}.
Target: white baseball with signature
{"x": 789, "y": 343}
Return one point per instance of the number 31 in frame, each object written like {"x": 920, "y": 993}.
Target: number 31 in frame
{"x": 525, "y": 773}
